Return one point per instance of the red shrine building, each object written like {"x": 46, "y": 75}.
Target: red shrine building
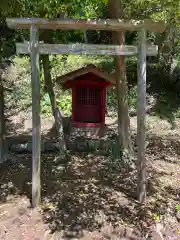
{"x": 89, "y": 87}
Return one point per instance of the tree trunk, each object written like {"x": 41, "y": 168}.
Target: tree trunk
{"x": 2, "y": 125}
{"x": 85, "y": 37}
{"x": 114, "y": 8}
{"x": 58, "y": 118}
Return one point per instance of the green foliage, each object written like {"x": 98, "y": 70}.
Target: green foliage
{"x": 46, "y": 105}
{"x": 111, "y": 99}
{"x": 178, "y": 207}
{"x": 132, "y": 97}
{"x": 156, "y": 217}
{"x": 155, "y": 9}
{"x": 65, "y": 103}
{"x": 20, "y": 80}
{"x": 62, "y": 64}
{"x": 10, "y": 8}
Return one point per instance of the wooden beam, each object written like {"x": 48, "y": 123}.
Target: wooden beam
{"x": 141, "y": 114}
{"x": 36, "y": 123}
{"x": 89, "y": 24}
{"x": 85, "y": 49}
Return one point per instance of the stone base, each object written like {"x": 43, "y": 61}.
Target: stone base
{"x": 88, "y": 132}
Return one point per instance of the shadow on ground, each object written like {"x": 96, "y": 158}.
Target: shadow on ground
{"x": 87, "y": 191}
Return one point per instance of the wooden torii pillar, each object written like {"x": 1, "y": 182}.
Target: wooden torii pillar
{"x": 34, "y": 48}
{"x": 36, "y": 120}
{"x": 141, "y": 118}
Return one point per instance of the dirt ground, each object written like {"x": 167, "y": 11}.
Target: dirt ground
{"x": 91, "y": 195}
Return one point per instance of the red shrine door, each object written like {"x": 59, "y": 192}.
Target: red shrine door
{"x": 88, "y": 105}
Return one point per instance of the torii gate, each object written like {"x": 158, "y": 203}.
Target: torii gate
{"x": 34, "y": 48}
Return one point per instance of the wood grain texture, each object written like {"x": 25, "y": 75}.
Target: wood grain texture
{"x": 36, "y": 123}
{"x": 2, "y": 124}
{"x": 141, "y": 118}
{"x": 86, "y": 49}
{"x": 89, "y": 24}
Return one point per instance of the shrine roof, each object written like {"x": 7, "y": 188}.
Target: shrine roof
{"x": 83, "y": 71}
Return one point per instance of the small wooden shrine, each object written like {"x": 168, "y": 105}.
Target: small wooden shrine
{"x": 89, "y": 87}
